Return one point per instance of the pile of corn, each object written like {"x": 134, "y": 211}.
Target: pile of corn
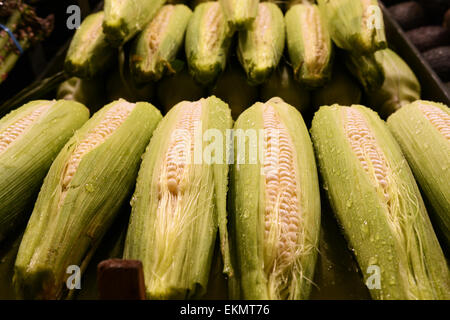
{"x": 221, "y": 167}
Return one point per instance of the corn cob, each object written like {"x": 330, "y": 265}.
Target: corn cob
{"x": 282, "y": 84}
{"x": 341, "y": 89}
{"x": 239, "y": 13}
{"x": 30, "y": 138}
{"x": 367, "y": 70}
{"x": 180, "y": 201}
{"x": 125, "y": 18}
{"x": 85, "y": 187}
{"x": 157, "y": 46}
{"x": 225, "y": 89}
{"x": 187, "y": 90}
{"x": 89, "y": 54}
{"x": 261, "y": 46}
{"x": 400, "y": 85}
{"x": 309, "y": 44}
{"x": 378, "y": 204}
{"x": 355, "y": 25}
{"x": 423, "y": 131}
{"x": 275, "y": 202}
{"x": 207, "y": 42}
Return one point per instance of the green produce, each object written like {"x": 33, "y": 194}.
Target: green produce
{"x": 422, "y": 129}
{"x": 207, "y": 42}
{"x": 261, "y": 46}
{"x": 355, "y": 25}
{"x": 378, "y": 205}
{"x": 30, "y": 138}
{"x": 239, "y": 13}
{"x": 275, "y": 203}
{"x": 400, "y": 85}
{"x": 81, "y": 195}
{"x": 180, "y": 201}
{"x": 89, "y": 53}
{"x": 155, "y": 49}
{"x": 125, "y": 18}
{"x": 309, "y": 45}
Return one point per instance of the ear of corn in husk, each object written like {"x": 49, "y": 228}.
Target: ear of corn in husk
{"x": 378, "y": 204}
{"x": 207, "y": 42}
{"x": 84, "y": 188}
{"x": 90, "y": 92}
{"x": 180, "y": 200}
{"x": 400, "y": 85}
{"x": 275, "y": 202}
{"x": 111, "y": 247}
{"x": 341, "y": 89}
{"x": 309, "y": 45}
{"x": 367, "y": 70}
{"x": 156, "y": 47}
{"x": 30, "y": 138}
{"x": 232, "y": 87}
{"x": 89, "y": 53}
{"x": 239, "y": 13}
{"x": 125, "y": 18}
{"x": 355, "y": 25}
{"x": 422, "y": 129}
{"x": 282, "y": 84}
{"x": 261, "y": 46}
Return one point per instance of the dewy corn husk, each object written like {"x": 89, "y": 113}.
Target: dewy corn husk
{"x": 30, "y": 138}
{"x": 180, "y": 200}
{"x": 422, "y": 129}
{"x": 275, "y": 204}
{"x": 81, "y": 195}
{"x": 261, "y": 46}
{"x": 378, "y": 204}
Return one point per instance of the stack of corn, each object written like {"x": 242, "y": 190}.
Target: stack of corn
{"x": 251, "y": 187}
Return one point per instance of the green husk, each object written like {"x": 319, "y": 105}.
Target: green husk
{"x": 239, "y": 13}
{"x": 282, "y": 84}
{"x": 355, "y": 25}
{"x": 309, "y": 45}
{"x": 174, "y": 234}
{"x": 26, "y": 160}
{"x": 367, "y": 69}
{"x": 427, "y": 150}
{"x": 261, "y": 46}
{"x": 386, "y": 227}
{"x": 89, "y": 54}
{"x": 258, "y": 276}
{"x": 125, "y": 18}
{"x": 207, "y": 42}
{"x": 400, "y": 85}
{"x": 155, "y": 49}
{"x": 70, "y": 217}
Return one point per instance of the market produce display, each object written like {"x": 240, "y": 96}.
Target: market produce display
{"x": 233, "y": 149}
